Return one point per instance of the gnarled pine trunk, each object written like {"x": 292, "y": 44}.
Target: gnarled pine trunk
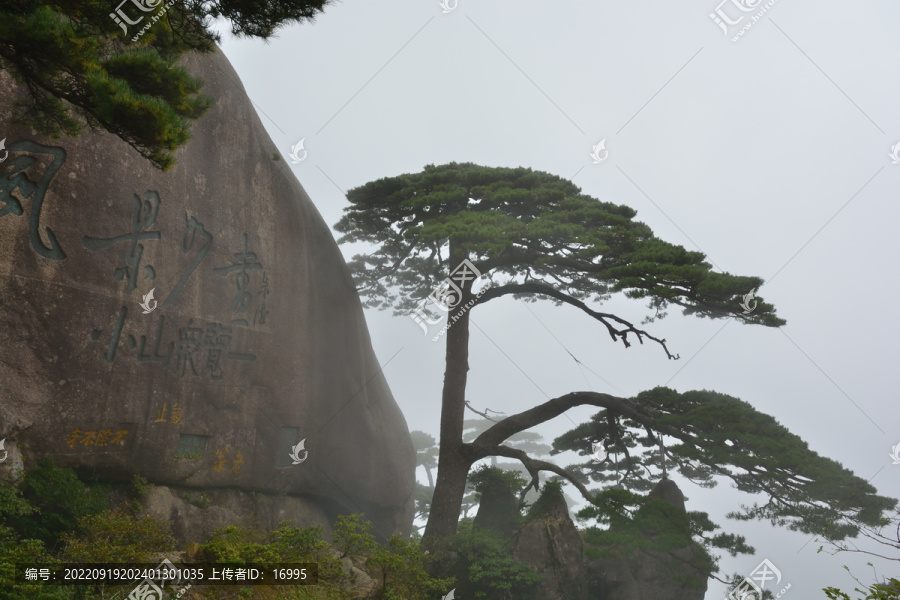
{"x": 453, "y": 461}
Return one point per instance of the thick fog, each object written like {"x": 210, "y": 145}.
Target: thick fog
{"x": 770, "y": 154}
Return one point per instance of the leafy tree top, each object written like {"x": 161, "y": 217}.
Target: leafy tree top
{"x": 426, "y": 449}
{"x": 486, "y": 476}
{"x": 532, "y": 233}
{"x": 551, "y": 497}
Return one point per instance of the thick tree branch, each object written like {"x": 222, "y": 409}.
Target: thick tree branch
{"x": 514, "y": 424}
{"x": 535, "y": 466}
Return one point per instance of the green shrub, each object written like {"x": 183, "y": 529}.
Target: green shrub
{"x": 12, "y": 504}
{"x": 139, "y": 487}
{"x": 189, "y": 456}
{"x": 198, "y": 499}
{"x": 484, "y": 568}
{"x": 294, "y": 544}
{"x": 887, "y": 590}
{"x": 352, "y": 536}
{"x": 59, "y": 497}
{"x": 401, "y": 567}
{"x": 15, "y": 551}
{"x": 286, "y": 544}
{"x": 116, "y": 536}
{"x": 234, "y": 544}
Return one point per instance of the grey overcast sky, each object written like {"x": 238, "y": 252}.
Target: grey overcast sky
{"x": 769, "y": 154}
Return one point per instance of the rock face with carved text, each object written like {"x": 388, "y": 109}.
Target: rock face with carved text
{"x": 252, "y": 353}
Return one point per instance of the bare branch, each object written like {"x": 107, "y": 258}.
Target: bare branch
{"x": 606, "y": 318}
{"x": 483, "y": 414}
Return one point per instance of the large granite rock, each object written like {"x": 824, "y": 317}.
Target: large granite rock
{"x": 196, "y": 514}
{"x": 648, "y": 575}
{"x": 257, "y": 340}
{"x": 550, "y": 543}
{"x": 498, "y": 509}
{"x": 669, "y": 492}
{"x": 648, "y": 572}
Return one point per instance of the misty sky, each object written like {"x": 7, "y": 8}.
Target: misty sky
{"x": 769, "y": 154}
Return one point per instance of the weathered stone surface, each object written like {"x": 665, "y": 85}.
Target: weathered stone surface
{"x": 668, "y": 491}
{"x": 498, "y": 509}
{"x": 194, "y": 514}
{"x": 646, "y": 576}
{"x": 611, "y": 578}
{"x": 360, "y": 583}
{"x": 551, "y": 544}
{"x": 650, "y": 574}
{"x": 257, "y": 342}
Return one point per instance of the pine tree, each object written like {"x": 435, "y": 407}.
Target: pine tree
{"x": 78, "y": 67}
{"x": 535, "y": 235}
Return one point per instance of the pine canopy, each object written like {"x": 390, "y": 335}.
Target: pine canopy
{"x": 532, "y": 233}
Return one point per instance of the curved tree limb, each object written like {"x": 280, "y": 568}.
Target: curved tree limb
{"x": 489, "y": 441}
{"x": 541, "y": 413}
{"x": 606, "y": 318}
{"x": 535, "y": 466}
